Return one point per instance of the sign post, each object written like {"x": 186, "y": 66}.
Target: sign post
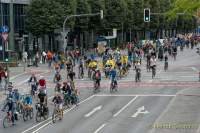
{"x": 4, "y": 30}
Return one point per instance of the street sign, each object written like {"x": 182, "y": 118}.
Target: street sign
{"x": 4, "y": 29}
{"x": 4, "y": 36}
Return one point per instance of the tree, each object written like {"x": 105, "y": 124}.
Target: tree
{"x": 96, "y": 6}
{"x": 115, "y": 13}
{"x": 188, "y": 7}
{"x": 82, "y": 8}
{"x": 44, "y": 16}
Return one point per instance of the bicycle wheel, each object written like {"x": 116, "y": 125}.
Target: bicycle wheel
{"x": 38, "y": 116}
{"x": 31, "y": 114}
{"x": 54, "y": 115}
{"x": 25, "y": 115}
{"x": 46, "y": 114}
{"x": 7, "y": 122}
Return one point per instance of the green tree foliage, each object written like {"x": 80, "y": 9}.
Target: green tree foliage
{"x": 189, "y": 7}
{"x": 115, "y": 13}
{"x": 82, "y": 7}
{"x": 43, "y": 16}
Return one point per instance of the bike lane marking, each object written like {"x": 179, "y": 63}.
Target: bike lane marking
{"x": 101, "y": 127}
{"x": 66, "y": 111}
{"x": 122, "y": 109}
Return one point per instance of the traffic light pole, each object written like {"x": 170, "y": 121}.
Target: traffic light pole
{"x": 73, "y": 16}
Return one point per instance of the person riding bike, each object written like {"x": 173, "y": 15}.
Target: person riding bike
{"x": 11, "y": 109}
{"x": 166, "y": 63}
{"x": 153, "y": 65}
{"x": 113, "y": 76}
{"x": 58, "y": 102}
{"x": 42, "y": 96}
{"x": 97, "y": 77}
{"x": 33, "y": 82}
{"x": 138, "y": 71}
{"x": 28, "y": 102}
{"x": 42, "y": 83}
{"x": 81, "y": 69}
{"x": 57, "y": 77}
{"x": 67, "y": 92}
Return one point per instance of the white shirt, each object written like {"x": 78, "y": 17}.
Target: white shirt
{"x": 153, "y": 62}
{"x": 25, "y": 54}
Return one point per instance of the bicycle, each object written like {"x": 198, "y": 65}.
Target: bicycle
{"x": 153, "y": 71}
{"x": 113, "y": 86}
{"x": 137, "y": 75}
{"x": 42, "y": 112}
{"x": 96, "y": 87}
{"x": 81, "y": 73}
{"x": 57, "y": 87}
{"x": 27, "y": 112}
{"x": 166, "y": 66}
{"x": 57, "y": 113}
{"x": 33, "y": 89}
{"x": 7, "y": 121}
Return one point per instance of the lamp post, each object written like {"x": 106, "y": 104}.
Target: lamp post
{"x": 64, "y": 34}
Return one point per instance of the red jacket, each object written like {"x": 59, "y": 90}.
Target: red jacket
{"x": 42, "y": 82}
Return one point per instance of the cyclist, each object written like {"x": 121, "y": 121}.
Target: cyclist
{"x": 148, "y": 62}
{"x": 11, "y": 109}
{"x": 166, "y": 63}
{"x": 58, "y": 102}
{"x": 138, "y": 70}
{"x": 113, "y": 75}
{"x": 28, "y": 100}
{"x": 81, "y": 69}
{"x": 57, "y": 77}
{"x": 42, "y": 83}
{"x": 97, "y": 77}
{"x": 71, "y": 75}
{"x": 33, "y": 82}
{"x": 153, "y": 65}
{"x": 67, "y": 92}
{"x": 42, "y": 97}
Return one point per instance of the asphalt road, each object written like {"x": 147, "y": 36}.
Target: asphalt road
{"x": 167, "y": 104}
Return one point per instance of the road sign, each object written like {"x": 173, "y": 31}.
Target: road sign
{"x": 4, "y": 29}
{"x": 4, "y": 36}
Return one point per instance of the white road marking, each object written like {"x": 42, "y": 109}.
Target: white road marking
{"x": 101, "y": 127}
{"x": 26, "y": 80}
{"x": 163, "y": 113}
{"x": 66, "y": 111}
{"x": 140, "y": 110}
{"x": 133, "y": 95}
{"x": 93, "y": 111}
{"x": 116, "y": 114}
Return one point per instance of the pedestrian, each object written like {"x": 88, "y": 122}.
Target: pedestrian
{"x": 49, "y": 58}
{"x": 25, "y": 56}
{"x": 44, "y": 54}
{"x": 37, "y": 59}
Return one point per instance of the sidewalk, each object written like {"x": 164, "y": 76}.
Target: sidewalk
{"x": 16, "y": 72}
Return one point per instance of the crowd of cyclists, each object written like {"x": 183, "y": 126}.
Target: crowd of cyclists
{"x": 113, "y": 64}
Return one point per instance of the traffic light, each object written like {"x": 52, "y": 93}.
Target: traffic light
{"x": 146, "y": 15}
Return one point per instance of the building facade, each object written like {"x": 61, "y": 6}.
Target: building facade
{"x": 12, "y": 14}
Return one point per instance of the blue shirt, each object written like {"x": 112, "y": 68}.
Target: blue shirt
{"x": 113, "y": 74}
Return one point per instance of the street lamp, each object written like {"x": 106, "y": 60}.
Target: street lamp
{"x": 64, "y": 34}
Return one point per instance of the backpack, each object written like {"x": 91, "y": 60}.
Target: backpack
{"x": 97, "y": 75}
{"x": 49, "y": 56}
